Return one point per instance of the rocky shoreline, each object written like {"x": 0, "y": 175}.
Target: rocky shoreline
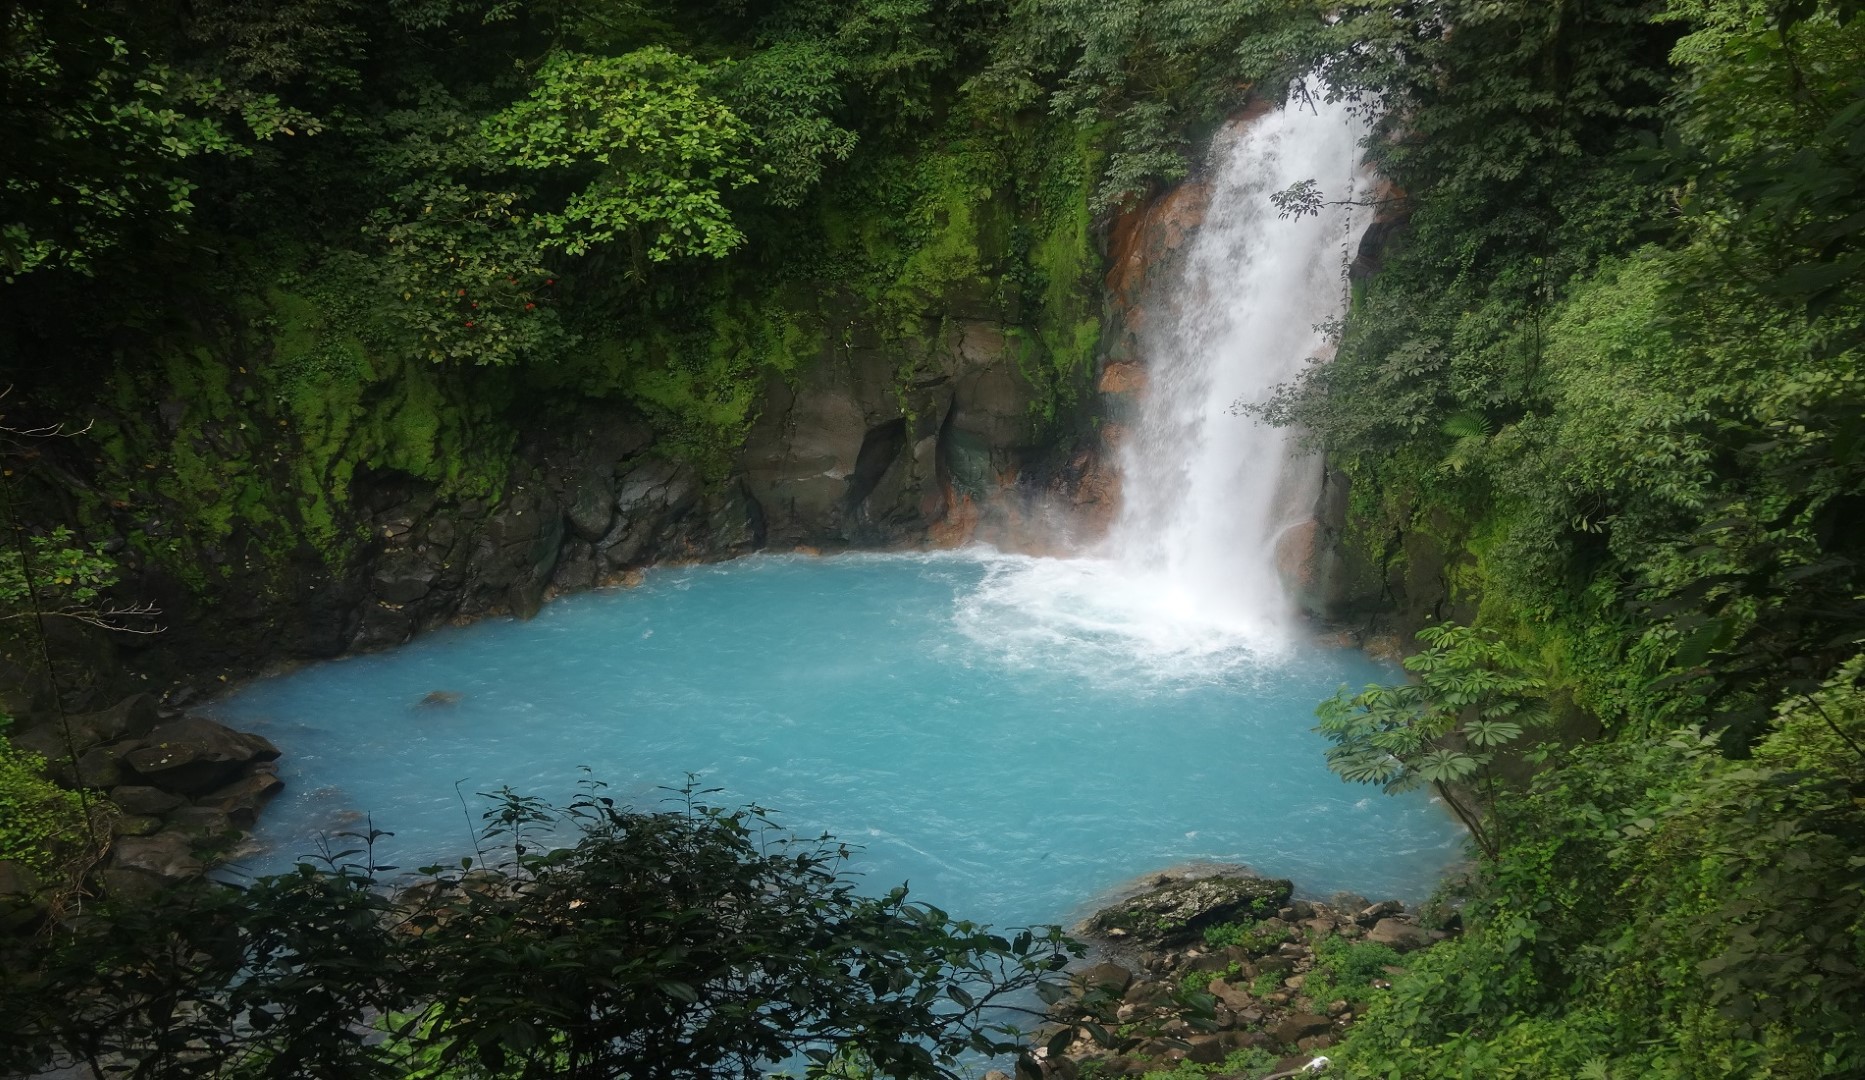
{"x": 1226, "y": 972}
{"x": 182, "y": 790}
{"x": 1199, "y": 972}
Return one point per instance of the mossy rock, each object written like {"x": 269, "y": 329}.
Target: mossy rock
{"x": 1179, "y": 909}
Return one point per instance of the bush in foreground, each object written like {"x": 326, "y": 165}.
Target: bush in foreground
{"x": 689, "y": 942}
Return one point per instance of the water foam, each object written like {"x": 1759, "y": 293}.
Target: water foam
{"x": 1187, "y": 577}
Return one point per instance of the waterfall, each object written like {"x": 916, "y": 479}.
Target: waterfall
{"x": 1207, "y": 492}
{"x": 1188, "y": 570}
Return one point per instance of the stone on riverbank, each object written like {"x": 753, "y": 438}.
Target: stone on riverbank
{"x": 193, "y": 756}
{"x": 141, "y": 866}
{"x": 1398, "y": 934}
{"x": 1196, "y": 1000}
{"x": 1179, "y": 909}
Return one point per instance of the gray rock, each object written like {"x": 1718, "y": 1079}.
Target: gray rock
{"x": 131, "y": 718}
{"x": 1180, "y": 909}
{"x": 201, "y": 822}
{"x": 242, "y": 799}
{"x": 1110, "y": 978}
{"x": 1246, "y": 1040}
{"x": 652, "y": 498}
{"x": 142, "y": 799}
{"x": 136, "y": 825}
{"x": 1402, "y": 936}
{"x": 21, "y": 902}
{"x": 404, "y": 577}
{"x": 193, "y": 756}
{"x": 127, "y": 719}
{"x": 140, "y": 866}
{"x": 1299, "y": 1026}
{"x": 1206, "y": 1049}
{"x": 18, "y": 880}
{"x": 102, "y": 766}
{"x": 735, "y": 525}
{"x": 1235, "y": 998}
{"x": 1346, "y": 901}
{"x": 592, "y": 508}
{"x": 577, "y": 569}
{"x": 1372, "y": 913}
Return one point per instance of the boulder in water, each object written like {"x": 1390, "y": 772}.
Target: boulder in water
{"x": 194, "y": 756}
{"x": 436, "y": 698}
{"x": 241, "y": 799}
{"x": 1181, "y": 908}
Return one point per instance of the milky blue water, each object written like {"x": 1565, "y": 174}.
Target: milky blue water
{"x": 1009, "y": 770}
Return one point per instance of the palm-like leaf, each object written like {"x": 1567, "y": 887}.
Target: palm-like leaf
{"x": 1446, "y": 766}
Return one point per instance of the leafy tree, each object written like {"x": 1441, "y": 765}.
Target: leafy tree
{"x": 1474, "y": 698}
{"x": 101, "y": 135}
{"x": 52, "y": 576}
{"x": 1160, "y": 75}
{"x": 1659, "y": 911}
{"x": 690, "y": 942}
{"x": 788, "y": 94}
{"x": 655, "y": 151}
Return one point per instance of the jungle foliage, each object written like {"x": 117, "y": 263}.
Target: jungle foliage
{"x": 1611, "y": 367}
{"x": 357, "y": 239}
{"x": 596, "y": 941}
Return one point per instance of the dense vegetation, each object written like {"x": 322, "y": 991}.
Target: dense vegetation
{"x": 596, "y": 941}
{"x": 1602, "y": 406}
{"x": 1610, "y": 376}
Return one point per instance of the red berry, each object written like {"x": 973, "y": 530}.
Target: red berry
{"x": 550, "y": 281}
{"x": 462, "y": 292}
{"x": 528, "y": 307}
{"x": 469, "y": 324}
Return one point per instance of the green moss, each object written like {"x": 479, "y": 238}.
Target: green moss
{"x": 260, "y": 427}
{"x": 700, "y": 380}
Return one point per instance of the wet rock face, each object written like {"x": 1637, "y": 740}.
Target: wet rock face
{"x": 877, "y": 439}
{"x": 183, "y": 788}
{"x": 1179, "y": 909}
{"x": 130, "y": 718}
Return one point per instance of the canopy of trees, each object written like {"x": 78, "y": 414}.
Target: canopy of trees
{"x": 1610, "y": 370}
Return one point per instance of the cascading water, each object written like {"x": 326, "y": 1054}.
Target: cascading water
{"x": 1012, "y": 735}
{"x": 1188, "y": 570}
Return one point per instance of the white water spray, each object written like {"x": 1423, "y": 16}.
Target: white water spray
{"x": 1188, "y": 571}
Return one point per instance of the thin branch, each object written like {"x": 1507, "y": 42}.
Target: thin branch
{"x": 99, "y": 617}
{"x": 1847, "y": 739}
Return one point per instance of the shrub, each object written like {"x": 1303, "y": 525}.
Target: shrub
{"x": 687, "y": 943}
{"x": 37, "y": 818}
